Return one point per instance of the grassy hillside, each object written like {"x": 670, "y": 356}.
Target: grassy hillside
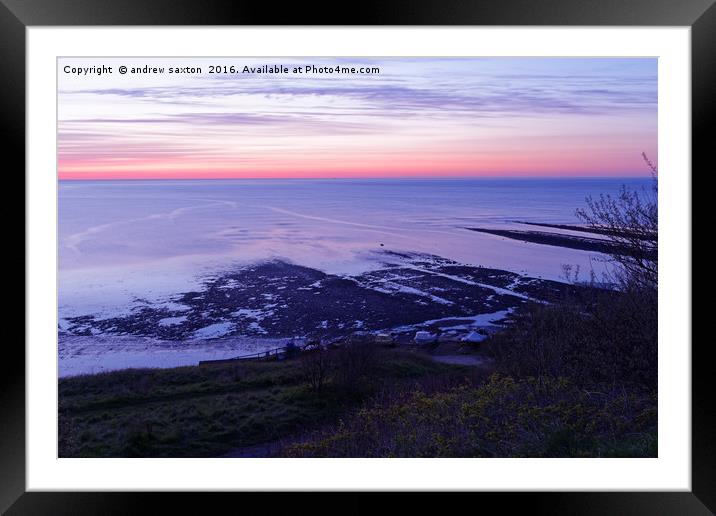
{"x": 210, "y": 410}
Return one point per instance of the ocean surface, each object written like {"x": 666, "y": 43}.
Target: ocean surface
{"x": 122, "y": 240}
{"x": 122, "y": 244}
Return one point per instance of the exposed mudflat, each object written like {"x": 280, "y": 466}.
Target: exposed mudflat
{"x": 278, "y": 299}
{"x": 589, "y": 229}
{"x": 598, "y": 245}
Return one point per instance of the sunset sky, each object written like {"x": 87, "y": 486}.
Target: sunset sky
{"x": 420, "y": 117}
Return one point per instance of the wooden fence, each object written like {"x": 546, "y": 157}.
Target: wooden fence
{"x": 271, "y": 354}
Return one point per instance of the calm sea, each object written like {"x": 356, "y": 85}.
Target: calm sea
{"x": 125, "y": 240}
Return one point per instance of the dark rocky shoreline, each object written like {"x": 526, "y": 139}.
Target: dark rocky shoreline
{"x": 557, "y": 240}
{"x": 280, "y": 299}
{"x": 585, "y": 229}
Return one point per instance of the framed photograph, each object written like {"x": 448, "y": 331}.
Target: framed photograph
{"x": 417, "y": 250}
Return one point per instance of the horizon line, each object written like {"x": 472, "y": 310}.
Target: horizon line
{"x": 340, "y": 178}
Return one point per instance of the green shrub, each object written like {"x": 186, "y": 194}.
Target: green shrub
{"x": 504, "y": 417}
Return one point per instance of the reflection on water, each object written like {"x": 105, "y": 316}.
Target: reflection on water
{"x": 122, "y": 240}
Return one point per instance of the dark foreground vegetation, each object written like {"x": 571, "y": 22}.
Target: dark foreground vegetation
{"x": 573, "y": 378}
{"x": 564, "y": 382}
{"x": 212, "y": 410}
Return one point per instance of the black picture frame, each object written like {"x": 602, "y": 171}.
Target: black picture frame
{"x": 16, "y": 15}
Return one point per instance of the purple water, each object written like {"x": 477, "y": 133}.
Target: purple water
{"x": 120, "y": 240}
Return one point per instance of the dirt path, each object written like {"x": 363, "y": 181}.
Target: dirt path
{"x": 255, "y": 451}
{"x": 467, "y": 360}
